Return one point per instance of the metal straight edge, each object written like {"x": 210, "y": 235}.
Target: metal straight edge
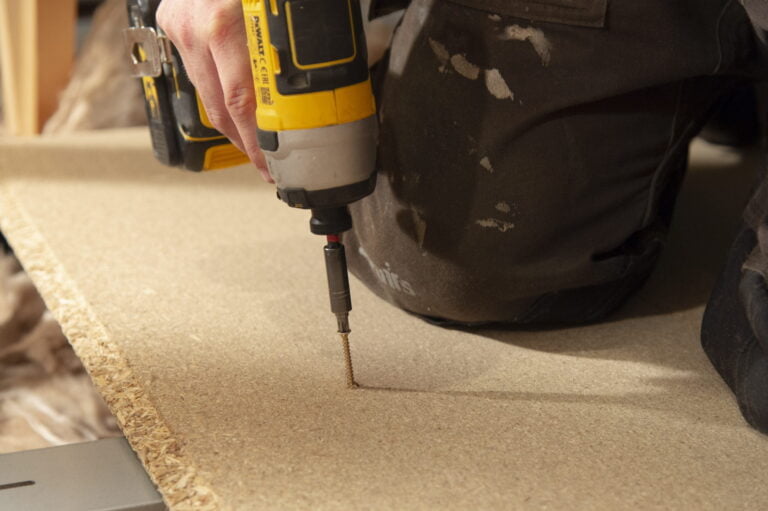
{"x": 104, "y": 475}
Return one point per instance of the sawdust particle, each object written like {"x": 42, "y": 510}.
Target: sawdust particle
{"x": 485, "y": 162}
{"x": 503, "y": 207}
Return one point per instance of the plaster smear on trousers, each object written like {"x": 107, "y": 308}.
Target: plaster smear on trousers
{"x": 496, "y": 85}
{"x": 442, "y": 54}
{"x": 501, "y": 225}
{"x": 535, "y": 36}
{"x": 420, "y": 226}
{"x": 464, "y": 67}
{"x": 494, "y": 82}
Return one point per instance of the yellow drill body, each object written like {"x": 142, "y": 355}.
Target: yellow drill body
{"x": 316, "y": 112}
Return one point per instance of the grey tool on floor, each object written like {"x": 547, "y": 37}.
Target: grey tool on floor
{"x": 103, "y": 475}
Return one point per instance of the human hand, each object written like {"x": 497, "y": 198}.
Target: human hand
{"x": 210, "y": 37}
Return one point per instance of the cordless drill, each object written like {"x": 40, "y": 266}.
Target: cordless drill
{"x": 316, "y": 116}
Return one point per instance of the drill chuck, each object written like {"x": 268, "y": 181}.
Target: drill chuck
{"x": 330, "y": 221}
{"x": 338, "y": 283}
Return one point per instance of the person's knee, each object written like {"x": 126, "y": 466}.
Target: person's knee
{"x": 489, "y": 289}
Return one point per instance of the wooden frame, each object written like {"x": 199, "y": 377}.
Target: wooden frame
{"x": 37, "y": 46}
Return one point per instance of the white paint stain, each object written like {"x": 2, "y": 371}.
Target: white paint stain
{"x": 441, "y": 52}
{"x": 458, "y": 61}
{"x": 503, "y": 207}
{"x": 420, "y": 226}
{"x": 485, "y": 162}
{"x": 535, "y": 36}
{"x": 501, "y": 225}
{"x": 496, "y": 85}
{"x": 494, "y": 82}
{"x": 464, "y": 67}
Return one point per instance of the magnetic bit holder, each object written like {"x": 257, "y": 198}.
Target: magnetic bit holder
{"x": 338, "y": 283}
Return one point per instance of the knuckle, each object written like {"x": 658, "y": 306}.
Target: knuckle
{"x": 167, "y": 19}
{"x": 162, "y": 16}
{"x": 220, "y": 27}
{"x": 217, "y": 117}
{"x": 240, "y": 102}
{"x": 183, "y": 35}
{"x": 256, "y": 156}
{"x": 179, "y": 30}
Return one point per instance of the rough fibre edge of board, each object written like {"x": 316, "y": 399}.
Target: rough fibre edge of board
{"x": 160, "y": 452}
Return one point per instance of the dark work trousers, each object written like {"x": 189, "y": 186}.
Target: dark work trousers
{"x": 531, "y": 151}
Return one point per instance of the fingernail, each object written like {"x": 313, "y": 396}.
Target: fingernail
{"x": 266, "y": 176}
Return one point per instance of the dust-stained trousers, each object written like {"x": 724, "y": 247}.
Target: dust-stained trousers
{"x": 530, "y": 156}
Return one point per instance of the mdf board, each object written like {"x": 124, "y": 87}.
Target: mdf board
{"x": 198, "y": 304}
{"x": 37, "y": 47}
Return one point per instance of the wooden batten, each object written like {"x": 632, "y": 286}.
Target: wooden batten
{"x": 37, "y": 45}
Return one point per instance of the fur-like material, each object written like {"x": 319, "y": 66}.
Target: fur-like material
{"x": 46, "y": 398}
